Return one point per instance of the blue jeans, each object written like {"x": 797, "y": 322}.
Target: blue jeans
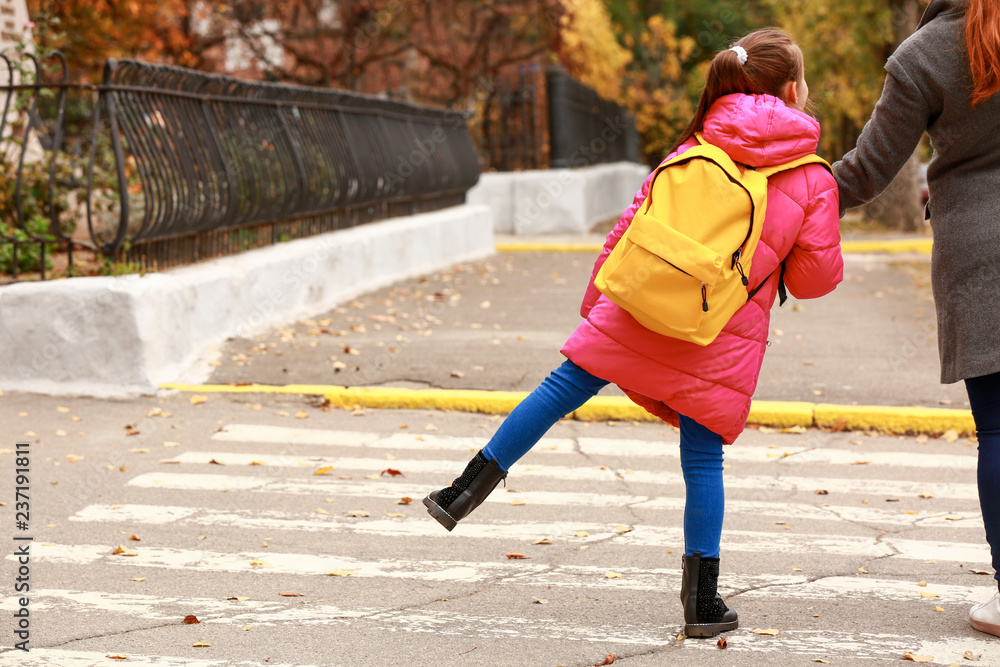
{"x": 569, "y": 387}
{"x": 984, "y": 395}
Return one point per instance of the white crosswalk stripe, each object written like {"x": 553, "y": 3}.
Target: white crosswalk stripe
{"x": 274, "y": 490}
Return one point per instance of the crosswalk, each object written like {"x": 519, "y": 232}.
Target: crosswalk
{"x": 849, "y": 554}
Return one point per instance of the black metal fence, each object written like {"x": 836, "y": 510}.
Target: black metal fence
{"x": 543, "y": 118}
{"x": 183, "y": 165}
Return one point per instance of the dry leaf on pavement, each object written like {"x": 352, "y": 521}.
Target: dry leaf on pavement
{"x": 340, "y": 573}
{"x": 357, "y": 513}
{"x": 122, "y": 551}
{"x": 769, "y": 632}
{"x": 200, "y": 645}
{"x": 323, "y": 470}
{"x": 198, "y": 400}
{"x": 517, "y": 556}
{"x": 969, "y": 655}
{"x": 607, "y": 661}
{"x": 917, "y": 658}
{"x": 539, "y": 601}
{"x": 392, "y": 472}
{"x": 404, "y": 501}
{"x": 544, "y": 540}
{"x": 612, "y": 575}
{"x": 191, "y": 619}
{"x": 722, "y": 643}
{"x": 290, "y": 595}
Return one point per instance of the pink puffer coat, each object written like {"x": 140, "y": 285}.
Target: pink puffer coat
{"x": 714, "y": 384}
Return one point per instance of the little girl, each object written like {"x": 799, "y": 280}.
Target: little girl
{"x": 752, "y": 108}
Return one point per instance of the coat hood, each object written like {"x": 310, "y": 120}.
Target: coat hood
{"x": 941, "y": 7}
{"x": 760, "y": 130}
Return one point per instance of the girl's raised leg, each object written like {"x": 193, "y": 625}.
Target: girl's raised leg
{"x": 563, "y": 391}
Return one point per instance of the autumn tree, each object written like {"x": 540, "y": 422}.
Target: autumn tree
{"x": 92, "y": 31}
{"x": 845, "y": 46}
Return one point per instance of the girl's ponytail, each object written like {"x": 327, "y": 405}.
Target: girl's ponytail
{"x": 982, "y": 40}
{"x": 771, "y": 62}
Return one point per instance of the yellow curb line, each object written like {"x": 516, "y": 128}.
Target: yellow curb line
{"x": 893, "y": 420}
{"x": 892, "y": 247}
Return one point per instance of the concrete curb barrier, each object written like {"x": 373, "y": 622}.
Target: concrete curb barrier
{"x": 106, "y": 336}
{"x": 889, "y": 420}
{"x": 551, "y": 201}
{"x": 920, "y": 246}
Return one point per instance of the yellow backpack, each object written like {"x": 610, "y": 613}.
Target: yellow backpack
{"x": 681, "y": 267}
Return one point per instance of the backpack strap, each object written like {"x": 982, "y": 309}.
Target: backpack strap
{"x": 782, "y": 291}
{"x": 812, "y": 158}
{"x": 771, "y": 171}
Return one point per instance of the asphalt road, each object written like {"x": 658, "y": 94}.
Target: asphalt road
{"x": 277, "y": 525}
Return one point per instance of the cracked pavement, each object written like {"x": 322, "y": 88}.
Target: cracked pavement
{"x": 837, "y": 576}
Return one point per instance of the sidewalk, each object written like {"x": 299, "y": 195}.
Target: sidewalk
{"x": 497, "y": 326}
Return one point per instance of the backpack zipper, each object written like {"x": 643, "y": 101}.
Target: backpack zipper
{"x": 739, "y": 267}
{"x": 704, "y": 297}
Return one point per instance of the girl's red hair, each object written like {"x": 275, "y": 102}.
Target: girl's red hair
{"x": 982, "y": 39}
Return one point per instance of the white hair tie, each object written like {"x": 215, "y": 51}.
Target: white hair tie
{"x": 741, "y": 53}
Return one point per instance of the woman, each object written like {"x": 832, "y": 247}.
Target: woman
{"x": 944, "y": 80}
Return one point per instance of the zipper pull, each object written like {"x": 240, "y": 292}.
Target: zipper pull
{"x": 739, "y": 267}
{"x": 704, "y": 297}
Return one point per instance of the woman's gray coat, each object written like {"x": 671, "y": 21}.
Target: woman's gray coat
{"x": 929, "y": 88}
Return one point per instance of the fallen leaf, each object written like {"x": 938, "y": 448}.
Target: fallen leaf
{"x": 917, "y": 658}
{"x": 607, "y": 661}
{"x": 612, "y": 575}
{"x": 517, "y": 556}
{"x": 392, "y": 473}
{"x": 859, "y": 463}
{"x": 198, "y": 400}
{"x": 862, "y": 570}
{"x": 969, "y": 655}
{"x": 922, "y": 583}
{"x": 822, "y": 492}
{"x": 394, "y": 515}
{"x": 582, "y": 533}
{"x": 115, "y": 656}
{"x": 769, "y": 633}
{"x": 404, "y": 501}
{"x": 951, "y": 435}
{"x": 259, "y": 562}
{"x": 892, "y": 500}
{"x": 135, "y": 538}
{"x": 320, "y": 510}
{"x": 290, "y": 595}
{"x": 544, "y": 540}
{"x": 218, "y": 463}
{"x": 925, "y": 594}
{"x": 953, "y": 518}
{"x": 323, "y": 470}
{"x": 200, "y": 645}
{"x": 302, "y": 414}
{"x": 171, "y": 444}
{"x": 621, "y": 530}
{"x": 358, "y": 513}
{"x": 518, "y": 502}
{"x": 978, "y": 571}
{"x": 238, "y": 598}
{"x": 539, "y": 601}
{"x": 138, "y": 579}
{"x": 797, "y": 569}
{"x": 132, "y": 431}
{"x": 938, "y": 608}
{"x": 793, "y": 429}
{"x": 191, "y": 619}
{"x": 825, "y": 662}
{"x": 139, "y": 450}
{"x": 122, "y": 551}
{"x": 340, "y": 573}
{"x": 722, "y": 643}
{"x": 372, "y": 476}
{"x": 925, "y": 495}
